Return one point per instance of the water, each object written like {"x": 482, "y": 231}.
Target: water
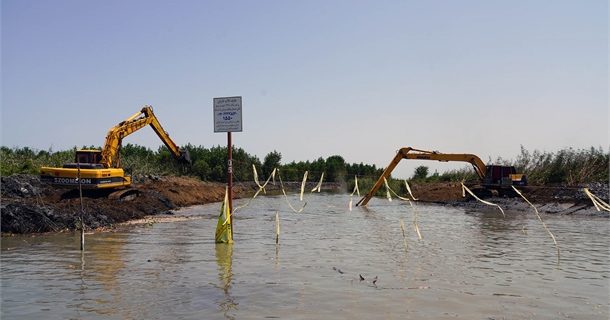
{"x": 470, "y": 265}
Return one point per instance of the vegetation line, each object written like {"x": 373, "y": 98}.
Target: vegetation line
{"x": 567, "y": 166}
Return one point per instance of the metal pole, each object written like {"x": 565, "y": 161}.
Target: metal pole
{"x": 230, "y": 177}
{"x": 82, "y": 221}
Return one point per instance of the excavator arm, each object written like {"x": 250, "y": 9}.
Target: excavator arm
{"x": 114, "y": 138}
{"x": 411, "y": 153}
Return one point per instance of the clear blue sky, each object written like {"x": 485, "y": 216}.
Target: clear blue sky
{"x": 355, "y": 78}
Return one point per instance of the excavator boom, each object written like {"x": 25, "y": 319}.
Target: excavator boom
{"x": 410, "y": 153}
{"x": 114, "y": 138}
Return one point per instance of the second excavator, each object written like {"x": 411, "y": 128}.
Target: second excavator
{"x": 492, "y": 176}
{"x": 101, "y": 169}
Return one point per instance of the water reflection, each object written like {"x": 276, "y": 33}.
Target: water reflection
{"x": 102, "y": 263}
{"x": 224, "y": 260}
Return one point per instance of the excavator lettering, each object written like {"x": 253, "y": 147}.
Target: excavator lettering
{"x": 492, "y": 176}
{"x": 101, "y": 169}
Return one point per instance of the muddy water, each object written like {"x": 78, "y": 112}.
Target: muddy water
{"x": 470, "y": 265}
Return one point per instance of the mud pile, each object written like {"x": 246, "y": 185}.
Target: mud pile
{"x": 548, "y": 199}
{"x": 29, "y": 206}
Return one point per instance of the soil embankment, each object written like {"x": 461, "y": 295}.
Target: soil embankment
{"x": 28, "y": 206}
{"x": 548, "y": 199}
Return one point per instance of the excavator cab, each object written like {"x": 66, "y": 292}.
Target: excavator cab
{"x": 88, "y": 156}
{"x": 503, "y": 176}
{"x": 496, "y": 175}
{"x": 86, "y": 159}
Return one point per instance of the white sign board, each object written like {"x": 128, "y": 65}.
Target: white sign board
{"x": 227, "y": 114}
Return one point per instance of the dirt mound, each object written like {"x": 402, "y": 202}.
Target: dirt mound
{"x": 437, "y": 192}
{"x": 548, "y": 199}
{"x": 187, "y": 191}
{"x": 30, "y": 206}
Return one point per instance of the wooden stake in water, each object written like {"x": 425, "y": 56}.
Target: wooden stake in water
{"x": 82, "y": 220}
{"x": 277, "y": 227}
{"x": 404, "y": 238}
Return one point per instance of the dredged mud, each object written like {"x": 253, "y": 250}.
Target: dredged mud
{"x": 548, "y": 199}
{"x": 29, "y": 206}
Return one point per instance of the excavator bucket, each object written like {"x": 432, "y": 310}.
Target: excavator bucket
{"x": 185, "y": 156}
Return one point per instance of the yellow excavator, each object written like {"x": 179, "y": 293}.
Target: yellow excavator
{"x": 101, "y": 169}
{"x": 492, "y": 176}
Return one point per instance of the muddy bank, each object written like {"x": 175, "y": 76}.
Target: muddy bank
{"x": 28, "y": 206}
{"x": 547, "y": 199}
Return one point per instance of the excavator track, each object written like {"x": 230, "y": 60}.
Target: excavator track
{"x": 124, "y": 194}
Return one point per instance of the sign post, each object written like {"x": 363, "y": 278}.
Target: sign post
{"x": 227, "y": 118}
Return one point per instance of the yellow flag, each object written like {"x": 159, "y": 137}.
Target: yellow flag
{"x": 223, "y": 228}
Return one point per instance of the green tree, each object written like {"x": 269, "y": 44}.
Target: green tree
{"x": 272, "y": 160}
{"x": 335, "y": 168}
{"x": 421, "y": 173}
{"x": 201, "y": 169}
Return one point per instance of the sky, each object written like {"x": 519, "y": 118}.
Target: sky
{"x": 359, "y": 79}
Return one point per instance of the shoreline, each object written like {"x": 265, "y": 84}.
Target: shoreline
{"x": 31, "y": 207}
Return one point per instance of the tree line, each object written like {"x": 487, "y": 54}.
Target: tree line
{"x": 208, "y": 164}
{"x": 567, "y": 166}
